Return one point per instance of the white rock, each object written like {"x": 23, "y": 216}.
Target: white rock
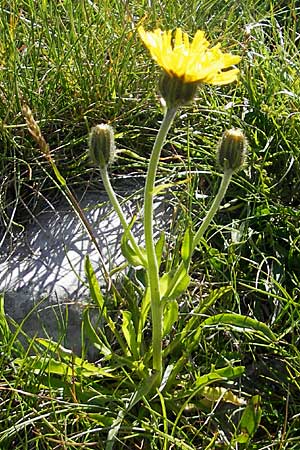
{"x": 43, "y": 276}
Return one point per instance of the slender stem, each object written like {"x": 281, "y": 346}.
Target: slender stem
{"x": 214, "y": 207}
{"x": 117, "y": 207}
{"x": 77, "y": 208}
{"x": 153, "y": 274}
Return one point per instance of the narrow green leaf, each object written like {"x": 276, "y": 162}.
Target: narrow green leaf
{"x": 171, "y": 287}
{"x": 187, "y": 246}
{"x": 249, "y": 422}
{"x": 189, "y": 336}
{"x": 143, "y": 389}
{"x": 95, "y": 290}
{"x": 93, "y": 337}
{"x": 56, "y": 348}
{"x": 241, "y": 323}
{"x": 129, "y": 253}
{"x": 159, "y": 247}
{"x": 129, "y": 333}
{"x": 57, "y": 173}
{"x": 48, "y": 365}
{"x": 77, "y": 367}
{"x": 170, "y": 316}
{"x": 226, "y": 373}
{"x": 145, "y": 306}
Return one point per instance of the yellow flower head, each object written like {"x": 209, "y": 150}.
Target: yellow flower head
{"x": 191, "y": 62}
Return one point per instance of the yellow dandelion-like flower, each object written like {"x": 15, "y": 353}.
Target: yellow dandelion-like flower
{"x": 191, "y": 62}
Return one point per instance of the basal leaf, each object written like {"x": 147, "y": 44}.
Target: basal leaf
{"x": 129, "y": 333}
{"x": 145, "y": 306}
{"x": 249, "y": 422}
{"x": 216, "y": 394}
{"x": 130, "y": 254}
{"x": 241, "y": 323}
{"x": 187, "y": 247}
{"x": 94, "y": 337}
{"x": 78, "y": 367}
{"x": 170, "y": 315}
{"x": 225, "y": 374}
{"x": 95, "y": 290}
{"x": 159, "y": 247}
{"x": 172, "y": 284}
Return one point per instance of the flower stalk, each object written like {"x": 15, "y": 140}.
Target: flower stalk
{"x": 185, "y": 64}
{"x": 227, "y": 175}
{"x": 153, "y": 269}
{"x": 117, "y": 207}
{"x": 102, "y": 151}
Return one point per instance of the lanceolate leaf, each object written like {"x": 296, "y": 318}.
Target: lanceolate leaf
{"x": 226, "y": 373}
{"x": 170, "y": 316}
{"x": 187, "y": 337}
{"x": 249, "y": 422}
{"x": 241, "y": 323}
{"x": 68, "y": 363}
{"x": 133, "y": 258}
{"x": 187, "y": 246}
{"x": 95, "y": 290}
{"x": 143, "y": 317}
{"x": 128, "y": 252}
{"x": 94, "y": 337}
{"x": 172, "y": 285}
{"x": 129, "y": 333}
{"x": 159, "y": 247}
{"x": 217, "y": 393}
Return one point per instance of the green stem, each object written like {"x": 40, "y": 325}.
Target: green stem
{"x": 117, "y": 207}
{"x": 153, "y": 274}
{"x": 205, "y": 224}
{"x": 214, "y": 207}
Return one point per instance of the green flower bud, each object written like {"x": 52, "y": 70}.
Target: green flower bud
{"x": 175, "y": 91}
{"x": 102, "y": 145}
{"x": 232, "y": 149}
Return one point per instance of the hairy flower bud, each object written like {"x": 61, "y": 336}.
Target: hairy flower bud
{"x": 175, "y": 91}
{"x": 232, "y": 149}
{"x": 102, "y": 145}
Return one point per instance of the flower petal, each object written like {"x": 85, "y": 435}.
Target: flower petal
{"x": 191, "y": 62}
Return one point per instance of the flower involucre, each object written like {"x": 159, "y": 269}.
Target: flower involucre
{"x": 191, "y": 62}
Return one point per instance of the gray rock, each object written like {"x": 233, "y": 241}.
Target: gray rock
{"x": 42, "y": 275}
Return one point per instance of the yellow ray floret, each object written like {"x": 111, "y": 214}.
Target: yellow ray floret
{"x": 190, "y": 61}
